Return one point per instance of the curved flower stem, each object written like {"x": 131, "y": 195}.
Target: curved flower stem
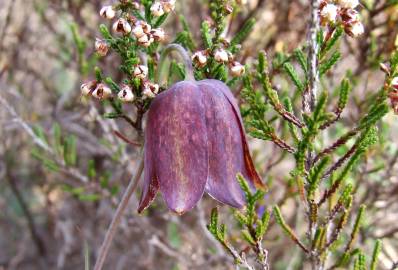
{"x": 117, "y": 217}
{"x": 184, "y": 55}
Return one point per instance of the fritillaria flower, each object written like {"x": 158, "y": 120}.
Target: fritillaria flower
{"x": 195, "y": 143}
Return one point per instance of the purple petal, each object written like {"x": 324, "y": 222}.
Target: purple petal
{"x": 225, "y": 148}
{"x": 176, "y": 134}
{"x": 248, "y": 170}
{"x": 151, "y": 183}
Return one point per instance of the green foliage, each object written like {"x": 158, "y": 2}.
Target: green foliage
{"x": 375, "y": 255}
{"x": 254, "y": 225}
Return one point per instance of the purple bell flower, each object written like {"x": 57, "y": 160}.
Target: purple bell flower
{"x": 195, "y": 143}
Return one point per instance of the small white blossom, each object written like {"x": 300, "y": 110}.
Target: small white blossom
{"x": 355, "y": 29}
{"x": 126, "y": 94}
{"x": 102, "y": 91}
{"x": 158, "y": 34}
{"x": 348, "y": 3}
{"x": 237, "y": 69}
{"x": 107, "y": 12}
{"x": 122, "y": 26}
{"x": 138, "y": 31}
{"x": 221, "y": 56}
{"x": 101, "y": 47}
{"x": 141, "y": 71}
{"x": 168, "y": 5}
{"x": 394, "y": 83}
{"x": 350, "y": 16}
{"x": 199, "y": 58}
{"x": 146, "y": 40}
{"x": 329, "y": 12}
{"x": 150, "y": 90}
{"x": 87, "y": 88}
{"x": 157, "y": 9}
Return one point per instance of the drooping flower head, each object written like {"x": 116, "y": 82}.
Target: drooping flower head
{"x": 195, "y": 143}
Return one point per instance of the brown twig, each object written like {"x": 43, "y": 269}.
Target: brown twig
{"x": 118, "y": 216}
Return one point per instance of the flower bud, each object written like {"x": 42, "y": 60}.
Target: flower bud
{"x": 158, "y": 34}
{"x": 329, "y": 12}
{"x": 88, "y": 88}
{"x": 355, "y": 29}
{"x": 350, "y": 16}
{"x": 101, "y": 47}
{"x": 157, "y": 9}
{"x": 150, "y": 90}
{"x": 237, "y": 69}
{"x": 199, "y": 58}
{"x": 138, "y": 31}
{"x": 122, "y": 26}
{"x": 146, "y": 40}
{"x": 102, "y": 91}
{"x": 126, "y": 94}
{"x": 221, "y": 56}
{"x": 107, "y": 12}
{"x": 394, "y": 83}
{"x": 140, "y": 72}
{"x": 348, "y": 3}
{"x": 393, "y": 95}
{"x": 168, "y": 5}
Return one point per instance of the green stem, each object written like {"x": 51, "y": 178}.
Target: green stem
{"x": 185, "y": 57}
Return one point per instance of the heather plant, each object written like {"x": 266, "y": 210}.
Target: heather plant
{"x": 195, "y": 102}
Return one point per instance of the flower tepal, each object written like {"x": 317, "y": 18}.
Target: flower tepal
{"x": 195, "y": 143}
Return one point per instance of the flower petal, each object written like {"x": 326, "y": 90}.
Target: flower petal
{"x": 177, "y": 135}
{"x": 151, "y": 183}
{"x": 249, "y": 170}
{"x": 226, "y": 157}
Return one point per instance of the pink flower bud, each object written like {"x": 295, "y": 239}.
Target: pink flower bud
{"x": 126, "y": 94}
{"x": 158, "y": 34}
{"x": 157, "y": 9}
{"x": 329, "y": 12}
{"x": 354, "y": 29}
{"x": 168, "y": 5}
{"x": 350, "y": 16}
{"x": 221, "y": 56}
{"x": 138, "y": 31}
{"x": 237, "y": 69}
{"x": 140, "y": 72}
{"x": 394, "y": 83}
{"x": 150, "y": 90}
{"x": 101, "y": 47}
{"x": 107, "y": 12}
{"x": 199, "y": 58}
{"x": 146, "y": 40}
{"x": 122, "y": 26}
{"x": 88, "y": 88}
{"x": 102, "y": 91}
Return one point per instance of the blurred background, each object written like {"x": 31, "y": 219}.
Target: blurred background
{"x": 58, "y": 197}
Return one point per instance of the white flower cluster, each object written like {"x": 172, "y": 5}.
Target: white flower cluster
{"x": 145, "y": 36}
{"x": 130, "y": 25}
{"x": 200, "y": 59}
{"x": 342, "y": 11}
